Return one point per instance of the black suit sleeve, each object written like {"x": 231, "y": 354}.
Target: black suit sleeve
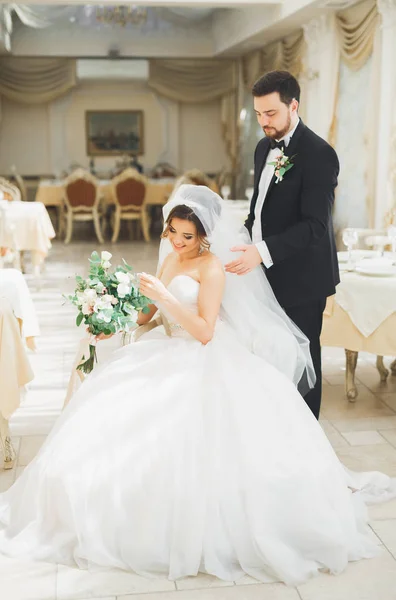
{"x": 250, "y": 218}
{"x": 317, "y": 199}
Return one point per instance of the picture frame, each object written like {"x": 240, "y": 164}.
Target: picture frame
{"x": 114, "y": 132}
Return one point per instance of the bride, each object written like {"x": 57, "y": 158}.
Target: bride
{"x": 191, "y": 449}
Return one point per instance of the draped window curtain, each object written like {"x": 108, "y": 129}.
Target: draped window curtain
{"x": 202, "y": 81}
{"x": 36, "y": 80}
{"x": 285, "y": 54}
{"x": 358, "y": 30}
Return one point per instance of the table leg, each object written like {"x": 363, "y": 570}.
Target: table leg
{"x": 393, "y": 367}
{"x": 383, "y": 371}
{"x": 6, "y": 444}
{"x": 351, "y": 362}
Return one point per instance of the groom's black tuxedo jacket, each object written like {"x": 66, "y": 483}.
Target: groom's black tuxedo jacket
{"x": 296, "y": 219}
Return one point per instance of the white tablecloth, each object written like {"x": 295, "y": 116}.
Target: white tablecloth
{"x": 32, "y": 227}
{"x": 15, "y": 369}
{"x": 367, "y": 300}
{"x": 13, "y": 286}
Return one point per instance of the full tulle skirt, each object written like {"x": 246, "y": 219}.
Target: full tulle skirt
{"x": 175, "y": 458}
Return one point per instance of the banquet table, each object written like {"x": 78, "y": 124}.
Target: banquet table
{"x": 13, "y": 287}
{"x": 361, "y": 317}
{"x": 50, "y": 192}
{"x": 32, "y": 229}
{"x": 15, "y": 370}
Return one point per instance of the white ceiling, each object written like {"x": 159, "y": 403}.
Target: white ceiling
{"x": 182, "y": 28}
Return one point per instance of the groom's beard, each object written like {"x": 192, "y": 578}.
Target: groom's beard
{"x": 277, "y": 134}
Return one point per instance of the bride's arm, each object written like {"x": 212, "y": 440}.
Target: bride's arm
{"x": 144, "y": 318}
{"x": 201, "y": 325}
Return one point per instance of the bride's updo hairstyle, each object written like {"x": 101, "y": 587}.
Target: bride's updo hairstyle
{"x": 197, "y": 204}
{"x": 185, "y": 213}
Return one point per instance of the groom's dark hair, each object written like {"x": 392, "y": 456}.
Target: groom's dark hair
{"x": 282, "y": 82}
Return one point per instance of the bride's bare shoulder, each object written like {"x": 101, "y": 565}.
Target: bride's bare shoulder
{"x": 211, "y": 265}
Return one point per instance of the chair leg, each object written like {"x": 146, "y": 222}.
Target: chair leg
{"x": 22, "y": 261}
{"x": 69, "y": 227}
{"x": 103, "y": 225}
{"x": 117, "y": 223}
{"x": 382, "y": 370}
{"x": 17, "y": 263}
{"x": 60, "y": 214}
{"x": 393, "y": 367}
{"x": 351, "y": 362}
{"x": 98, "y": 230}
{"x": 145, "y": 226}
{"x": 131, "y": 229}
{"x": 6, "y": 444}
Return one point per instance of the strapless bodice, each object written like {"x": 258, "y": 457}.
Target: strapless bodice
{"x": 186, "y": 290}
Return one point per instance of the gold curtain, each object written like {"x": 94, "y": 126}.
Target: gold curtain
{"x": 285, "y": 55}
{"x": 198, "y": 81}
{"x": 356, "y": 28}
{"x": 192, "y": 80}
{"x": 36, "y": 80}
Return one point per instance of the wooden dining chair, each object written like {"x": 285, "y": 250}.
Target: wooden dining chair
{"x": 129, "y": 192}
{"x": 82, "y": 202}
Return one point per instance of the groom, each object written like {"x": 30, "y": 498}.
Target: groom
{"x": 290, "y": 219}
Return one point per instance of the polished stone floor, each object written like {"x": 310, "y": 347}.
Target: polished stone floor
{"x": 363, "y": 435}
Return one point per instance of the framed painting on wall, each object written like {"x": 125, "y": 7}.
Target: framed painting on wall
{"x": 114, "y": 132}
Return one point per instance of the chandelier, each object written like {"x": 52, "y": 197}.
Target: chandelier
{"x": 121, "y": 15}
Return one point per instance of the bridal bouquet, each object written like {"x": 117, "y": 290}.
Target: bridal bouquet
{"x": 107, "y": 302}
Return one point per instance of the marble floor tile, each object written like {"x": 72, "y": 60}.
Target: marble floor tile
{"x": 272, "y": 591}
{"x": 27, "y": 580}
{"x": 335, "y": 438}
{"x": 369, "y": 458}
{"x": 6, "y": 478}
{"x": 372, "y": 579}
{"x": 364, "y": 438}
{"x": 103, "y": 598}
{"x": 387, "y": 510}
{"x": 247, "y": 580}
{"x": 386, "y": 531}
{"x": 364, "y": 424}
{"x": 389, "y": 399}
{"x": 201, "y": 581}
{"x": 30, "y": 445}
{"x": 73, "y": 584}
{"x": 390, "y": 436}
{"x": 335, "y": 404}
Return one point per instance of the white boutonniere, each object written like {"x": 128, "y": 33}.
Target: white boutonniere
{"x": 282, "y": 164}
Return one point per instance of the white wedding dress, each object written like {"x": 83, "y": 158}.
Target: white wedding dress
{"x": 175, "y": 458}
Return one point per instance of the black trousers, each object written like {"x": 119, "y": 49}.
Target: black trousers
{"x": 309, "y": 318}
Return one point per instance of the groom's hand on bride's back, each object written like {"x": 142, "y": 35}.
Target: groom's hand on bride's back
{"x": 247, "y": 261}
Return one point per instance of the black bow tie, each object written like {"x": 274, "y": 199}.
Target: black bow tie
{"x": 275, "y": 144}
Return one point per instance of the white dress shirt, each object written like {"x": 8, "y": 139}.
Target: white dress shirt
{"x": 265, "y": 180}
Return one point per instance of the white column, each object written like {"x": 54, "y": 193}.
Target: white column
{"x": 386, "y": 111}
{"x": 5, "y": 29}
{"x": 320, "y": 73}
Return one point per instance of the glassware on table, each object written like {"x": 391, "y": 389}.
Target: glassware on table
{"x": 392, "y": 236}
{"x": 225, "y": 191}
{"x": 249, "y": 193}
{"x": 350, "y": 238}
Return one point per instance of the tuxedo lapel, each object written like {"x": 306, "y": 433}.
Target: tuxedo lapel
{"x": 260, "y": 163}
{"x": 266, "y": 149}
{"x": 289, "y": 151}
